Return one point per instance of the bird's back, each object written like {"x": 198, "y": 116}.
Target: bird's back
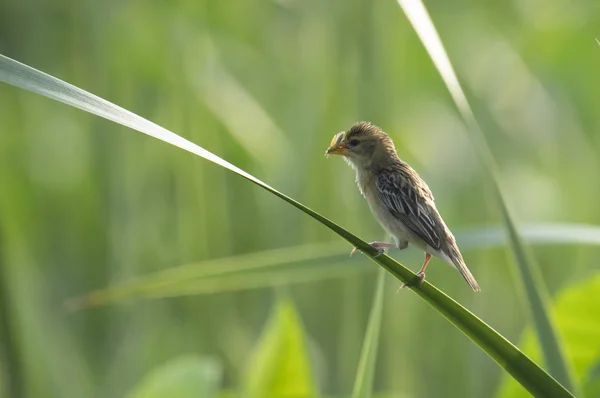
{"x": 401, "y": 194}
{"x": 398, "y": 197}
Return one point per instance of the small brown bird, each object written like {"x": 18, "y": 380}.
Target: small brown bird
{"x": 399, "y": 199}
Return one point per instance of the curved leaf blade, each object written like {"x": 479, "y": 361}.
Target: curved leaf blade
{"x": 575, "y": 308}
{"x": 529, "y": 374}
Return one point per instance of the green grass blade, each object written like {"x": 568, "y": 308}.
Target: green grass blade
{"x": 534, "y": 234}
{"x": 225, "y": 97}
{"x": 330, "y": 258}
{"x": 156, "y": 284}
{"x": 363, "y": 384}
{"x": 529, "y": 374}
{"x": 217, "y": 284}
{"x": 532, "y": 284}
{"x": 572, "y": 307}
{"x": 521, "y": 367}
{"x": 538, "y": 300}
{"x": 28, "y": 78}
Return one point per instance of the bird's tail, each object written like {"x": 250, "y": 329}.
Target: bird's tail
{"x": 456, "y": 259}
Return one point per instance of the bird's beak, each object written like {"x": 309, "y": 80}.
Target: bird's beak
{"x": 336, "y": 147}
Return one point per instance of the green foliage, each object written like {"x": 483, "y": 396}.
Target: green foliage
{"x": 363, "y": 384}
{"x": 85, "y": 206}
{"x": 591, "y": 386}
{"x": 280, "y": 367}
{"x": 297, "y": 264}
{"x": 533, "y": 285}
{"x": 574, "y": 309}
{"x": 292, "y": 265}
{"x": 183, "y": 377}
{"x": 503, "y": 352}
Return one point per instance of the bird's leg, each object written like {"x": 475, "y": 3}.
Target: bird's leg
{"x": 421, "y": 273}
{"x": 377, "y": 245}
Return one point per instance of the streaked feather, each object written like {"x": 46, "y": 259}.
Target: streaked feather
{"x": 412, "y": 209}
{"x": 398, "y": 197}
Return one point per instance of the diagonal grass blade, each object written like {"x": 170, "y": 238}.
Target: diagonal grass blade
{"x": 522, "y": 368}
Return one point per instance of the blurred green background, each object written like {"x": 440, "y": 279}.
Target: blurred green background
{"x": 85, "y": 203}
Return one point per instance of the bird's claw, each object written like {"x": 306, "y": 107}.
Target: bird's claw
{"x": 380, "y": 250}
{"x": 421, "y": 276}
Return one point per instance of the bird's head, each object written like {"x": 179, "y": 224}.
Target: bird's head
{"x": 363, "y": 145}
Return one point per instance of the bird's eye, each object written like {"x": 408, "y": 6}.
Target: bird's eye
{"x": 354, "y": 142}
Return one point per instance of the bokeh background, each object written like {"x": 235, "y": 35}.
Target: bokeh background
{"x": 86, "y": 204}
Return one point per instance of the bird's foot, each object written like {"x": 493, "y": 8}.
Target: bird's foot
{"x": 377, "y": 245}
{"x": 421, "y": 276}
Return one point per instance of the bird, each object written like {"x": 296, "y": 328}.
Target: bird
{"x": 398, "y": 197}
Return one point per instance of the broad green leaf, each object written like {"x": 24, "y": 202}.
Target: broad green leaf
{"x": 591, "y": 385}
{"x": 363, "y": 384}
{"x": 182, "y": 377}
{"x": 529, "y": 275}
{"x": 279, "y": 366}
{"x": 528, "y": 373}
{"x": 576, "y": 309}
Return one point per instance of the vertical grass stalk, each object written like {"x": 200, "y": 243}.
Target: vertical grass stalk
{"x": 363, "y": 383}
{"x": 530, "y": 279}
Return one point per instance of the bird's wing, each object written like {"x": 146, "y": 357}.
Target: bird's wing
{"x": 409, "y": 206}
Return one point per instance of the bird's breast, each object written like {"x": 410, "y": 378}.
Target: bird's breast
{"x": 391, "y": 224}
{"x": 382, "y": 213}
